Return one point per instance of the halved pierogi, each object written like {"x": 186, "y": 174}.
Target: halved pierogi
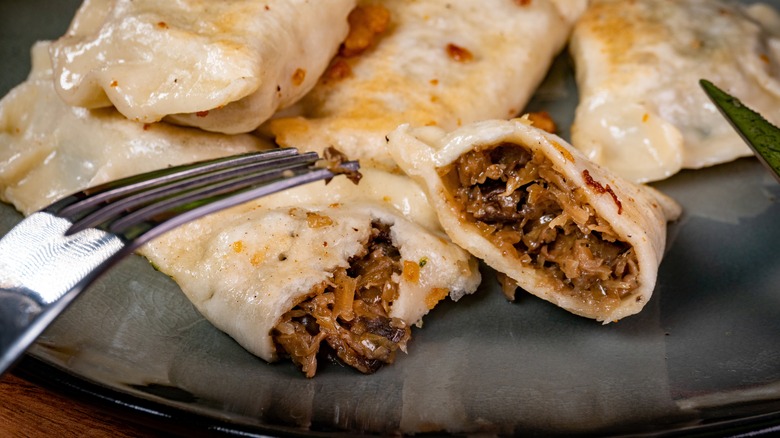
{"x": 539, "y": 212}
{"x": 318, "y": 268}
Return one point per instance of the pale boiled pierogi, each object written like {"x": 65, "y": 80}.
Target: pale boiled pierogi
{"x": 535, "y": 209}
{"x": 353, "y": 267}
{"x": 224, "y": 66}
{"x": 638, "y": 65}
{"x": 49, "y": 150}
{"x": 429, "y": 62}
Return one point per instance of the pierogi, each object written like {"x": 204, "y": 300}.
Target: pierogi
{"x": 319, "y": 266}
{"x": 638, "y": 64}
{"x": 49, "y": 150}
{"x": 430, "y": 62}
{"x": 223, "y": 66}
{"x": 536, "y": 210}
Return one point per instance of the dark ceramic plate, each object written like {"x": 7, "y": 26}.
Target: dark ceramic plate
{"x": 703, "y": 357}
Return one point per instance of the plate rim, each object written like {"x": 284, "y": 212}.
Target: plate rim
{"x": 167, "y": 418}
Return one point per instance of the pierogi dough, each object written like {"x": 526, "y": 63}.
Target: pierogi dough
{"x": 223, "y": 66}
{"x": 535, "y": 209}
{"x": 638, "y": 64}
{"x": 49, "y": 150}
{"x": 429, "y": 62}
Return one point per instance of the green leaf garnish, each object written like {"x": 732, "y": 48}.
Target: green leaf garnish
{"x": 762, "y": 136}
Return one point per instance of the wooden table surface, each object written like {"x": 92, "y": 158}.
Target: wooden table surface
{"x": 30, "y": 410}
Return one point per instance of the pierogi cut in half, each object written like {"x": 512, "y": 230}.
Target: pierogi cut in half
{"x": 537, "y": 211}
{"x": 223, "y": 66}
{"x": 426, "y": 62}
{"x": 336, "y": 268}
{"x": 638, "y": 64}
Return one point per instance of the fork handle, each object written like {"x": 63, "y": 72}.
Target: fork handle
{"x": 41, "y": 272}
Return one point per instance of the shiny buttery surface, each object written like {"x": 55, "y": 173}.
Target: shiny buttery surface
{"x": 705, "y": 350}
{"x": 639, "y": 114}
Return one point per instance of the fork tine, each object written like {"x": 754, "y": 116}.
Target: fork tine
{"x": 151, "y": 221}
{"x": 140, "y": 207}
{"x": 79, "y": 203}
{"x": 90, "y": 214}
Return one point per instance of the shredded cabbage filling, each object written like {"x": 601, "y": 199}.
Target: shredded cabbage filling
{"x": 349, "y": 313}
{"x": 533, "y": 213}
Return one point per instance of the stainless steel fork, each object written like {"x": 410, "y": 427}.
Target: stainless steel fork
{"x": 52, "y": 255}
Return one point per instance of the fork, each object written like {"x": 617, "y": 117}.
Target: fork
{"x": 51, "y": 256}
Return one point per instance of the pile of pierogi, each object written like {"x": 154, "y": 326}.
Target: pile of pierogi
{"x": 429, "y": 96}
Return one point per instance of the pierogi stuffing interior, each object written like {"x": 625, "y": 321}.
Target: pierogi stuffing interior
{"x": 535, "y": 215}
{"x": 350, "y": 312}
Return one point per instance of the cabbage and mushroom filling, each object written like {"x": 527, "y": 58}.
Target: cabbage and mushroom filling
{"x": 349, "y": 313}
{"x": 531, "y": 212}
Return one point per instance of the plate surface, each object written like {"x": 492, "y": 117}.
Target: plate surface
{"x": 704, "y": 353}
